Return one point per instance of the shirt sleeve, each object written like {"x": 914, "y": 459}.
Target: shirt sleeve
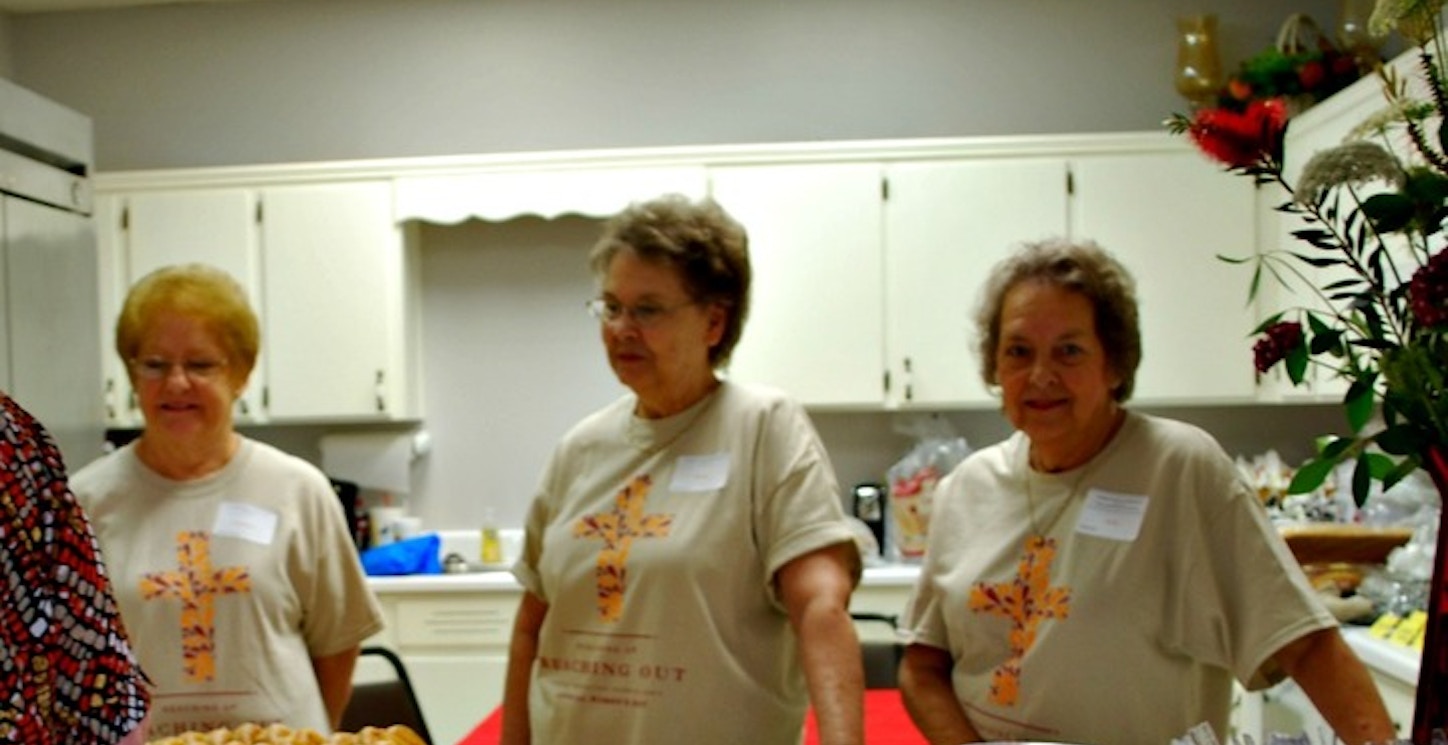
{"x": 341, "y": 610}
{"x": 799, "y": 509}
{"x": 922, "y": 622}
{"x": 92, "y": 689}
{"x": 1244, "y": 596}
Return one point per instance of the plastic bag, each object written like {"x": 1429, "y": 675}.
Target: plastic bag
{"x": 412, "y": 556}
{"x": 912, "y": 483}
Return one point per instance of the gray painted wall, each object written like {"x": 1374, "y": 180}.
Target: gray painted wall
{"x": 270, "y": 81}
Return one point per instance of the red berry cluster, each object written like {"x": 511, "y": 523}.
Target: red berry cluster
{"x": 1428, "y": 292}
{"x": 1279, "y": 339}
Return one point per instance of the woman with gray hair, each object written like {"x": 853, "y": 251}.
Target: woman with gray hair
{"x": 687, "y": 563}
{"x": 1103, "y": 545}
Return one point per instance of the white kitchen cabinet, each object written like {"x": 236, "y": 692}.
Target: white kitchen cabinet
{"x": 1167, "y": 216}
{"x": 455, "y": 647}
{"x": 946, "y": 224}
{"x": 324, "y": 267}
{"x": 335, "y": 298}
{"x": 816, "y": 318}
{"x": 852, "y": 280}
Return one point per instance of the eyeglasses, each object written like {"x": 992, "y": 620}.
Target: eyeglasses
{"x": 644, "y": 315}
{"x": 156, "y": 368}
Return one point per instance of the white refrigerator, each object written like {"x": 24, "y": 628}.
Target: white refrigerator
{"x": 49, "y": 314}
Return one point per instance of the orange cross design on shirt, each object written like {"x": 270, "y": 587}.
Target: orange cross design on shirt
{"x": 196, "y": 584}
{"x": 1026, "y": 600}
{"x": 618, "y": 528}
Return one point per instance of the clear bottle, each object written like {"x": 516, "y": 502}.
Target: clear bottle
{"x": 492, "y": 545}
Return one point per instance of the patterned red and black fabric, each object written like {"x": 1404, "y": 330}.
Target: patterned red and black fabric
{"x": 67, "y": 674}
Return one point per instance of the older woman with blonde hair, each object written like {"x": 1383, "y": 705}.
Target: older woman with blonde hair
{"x": 232, "y": 562}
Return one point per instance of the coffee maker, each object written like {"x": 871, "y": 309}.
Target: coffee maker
{"x": 868, "y": 504}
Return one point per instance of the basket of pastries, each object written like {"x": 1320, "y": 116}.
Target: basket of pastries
{"x": 279, "y": 734}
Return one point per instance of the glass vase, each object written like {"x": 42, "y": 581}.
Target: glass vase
{"x": 1199, "y": 66}
{"x": 1353, "y": 36}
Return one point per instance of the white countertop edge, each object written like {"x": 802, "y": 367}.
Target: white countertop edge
{"x": 1393, "y": 660}
{"x": 499, "y": 581}
{"x": 891, "y": 575}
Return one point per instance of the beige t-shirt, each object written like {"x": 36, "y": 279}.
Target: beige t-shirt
{"x": 230, "y": 584}
{"x": 654, "y": 543}
{"x": 1167, "y": 581}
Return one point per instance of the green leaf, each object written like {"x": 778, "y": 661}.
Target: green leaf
{"x": 1379, "y": 465}
{"x": 1400, "y": 472}
{"x": 1388, "y": 212}
{"x": 1326, "y": 341}
{"x": 1397, "y": 440}
{"x": 1296, "y": 362}
{"x": 1359, "y": 405}
{"x": 1362, "y": 480}
{"x": 1332, "y": 447}
{"x": 1310, "y": 476}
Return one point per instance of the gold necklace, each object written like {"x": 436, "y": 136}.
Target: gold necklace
{"x": 1086, "y": 468}
{"x": 1070, "y": 497}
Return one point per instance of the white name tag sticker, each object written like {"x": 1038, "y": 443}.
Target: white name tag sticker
{"x": 1113, "y": 516}
{"x": 247, "y": 522}
{"x": 700, "y": 473}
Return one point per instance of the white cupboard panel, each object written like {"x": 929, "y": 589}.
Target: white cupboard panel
{"x": 210, "y": 226}
{"x": 333, "y": 264}
{"x": 457, "y": 691}
{"x": 815, "y": 325}
{"x": 1167, "y": 216}
{"x": 947, "y": 223}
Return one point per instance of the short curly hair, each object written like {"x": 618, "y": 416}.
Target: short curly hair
{"x": 199, "y": 291}
{"x": 1083, "y": 267}
{"x": 708, "y": 247}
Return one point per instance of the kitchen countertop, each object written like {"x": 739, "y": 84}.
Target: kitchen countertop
{"x": 885, "y": 575}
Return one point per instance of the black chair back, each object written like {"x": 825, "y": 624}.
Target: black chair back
{"x": 386, "y": 702}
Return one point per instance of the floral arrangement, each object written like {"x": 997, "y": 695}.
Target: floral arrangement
{"x": 1370, "y": 261}
{"x": 1302, "y": 75}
